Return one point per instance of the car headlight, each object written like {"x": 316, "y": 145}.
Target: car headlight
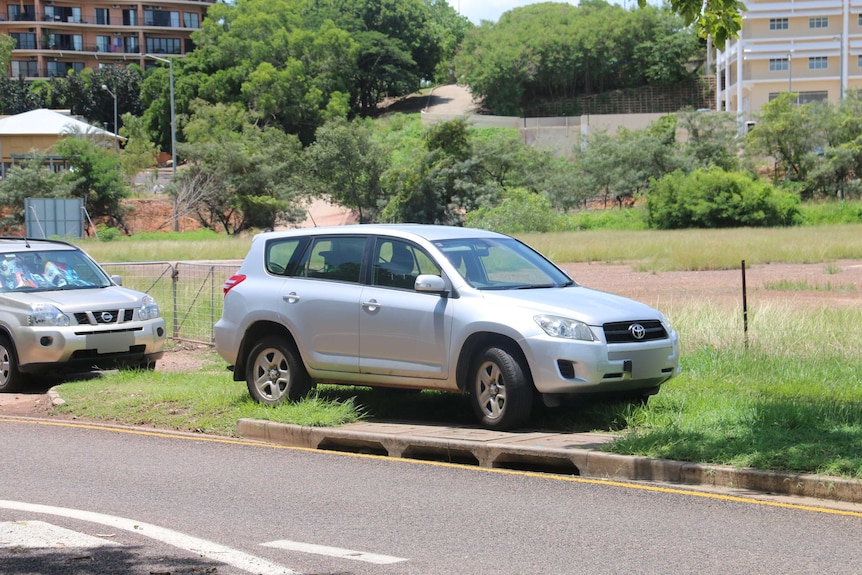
{"x": 149, "y": 308}
{"x": 564, "y": 327}
{"x": 47, "y": 315}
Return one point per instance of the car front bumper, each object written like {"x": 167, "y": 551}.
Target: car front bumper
{"x": 43, "y": 349}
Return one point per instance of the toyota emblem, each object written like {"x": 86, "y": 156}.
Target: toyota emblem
{"x": 637, "y": 330}
{"x": 108, "y": 317}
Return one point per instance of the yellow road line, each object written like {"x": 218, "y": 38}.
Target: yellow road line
{"x": 568, "y": 478}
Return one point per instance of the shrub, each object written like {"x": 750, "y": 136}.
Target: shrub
{"x": 519, "y": 212}
{"x": 107, "y": 234}
{"x": 718, "y": 199}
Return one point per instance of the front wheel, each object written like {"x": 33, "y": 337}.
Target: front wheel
{"x": 11, "y": 379}
{"x": 501, "y": 393}
{"x": 274, "y": 372}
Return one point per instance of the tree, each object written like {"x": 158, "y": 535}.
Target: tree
{"x": 238, "y": 176}
{"x": 7, "y": 44}
{"x": 139, "y": 153}
{"x": 553, "y": 51}
{"x": 31, "y": 178}
{"x": 721, "y": 19}
{"x": 790, "y": 134}
{"x": 711, "y": 139}
{"x": 94, "y": 177}
{"x": 442, "y": 185}
{"x": 346, "y": 165}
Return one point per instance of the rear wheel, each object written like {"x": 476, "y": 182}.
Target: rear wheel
{"x": 11, "y": 379}
{"x": 275, "y": 373}
{"x": 501, "y": 393}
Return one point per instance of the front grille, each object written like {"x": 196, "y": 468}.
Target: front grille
{"x": 106, "y": 316}
{"x": 622, "y": 332}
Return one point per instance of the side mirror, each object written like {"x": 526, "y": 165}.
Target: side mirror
{"x": 117, "y": 279}
{"x": 430, "y": 284}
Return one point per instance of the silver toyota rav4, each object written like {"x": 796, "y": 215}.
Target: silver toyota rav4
{"x": 59, "y": 311}
{"x": 433, "y": 307}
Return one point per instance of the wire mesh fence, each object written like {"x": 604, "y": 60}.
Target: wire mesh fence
{"x": 189, "y": 294}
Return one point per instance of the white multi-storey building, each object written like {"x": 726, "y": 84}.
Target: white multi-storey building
{"x": 812, "y": 48}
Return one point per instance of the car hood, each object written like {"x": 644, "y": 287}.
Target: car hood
{"x": 575, "y": 302}
{"x": 80, "y": 299}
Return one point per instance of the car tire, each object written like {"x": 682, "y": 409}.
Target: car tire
{"x": 11, "y": 379}
{"x": 500, "y": 391}
{"x": 275, "y": 373}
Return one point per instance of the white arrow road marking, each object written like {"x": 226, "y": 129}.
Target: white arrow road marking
{"x": 334, "y": 552}
{"x": 40, "y": 535}
{"x": 208, "y": 549}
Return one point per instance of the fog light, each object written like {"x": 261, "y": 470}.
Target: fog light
{"x": 46, "y": 341}
{"x": 160, "y": 332}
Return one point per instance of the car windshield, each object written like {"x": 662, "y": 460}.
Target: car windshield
{"x": 502, "y": 264}
{"x": 49, "y": 270}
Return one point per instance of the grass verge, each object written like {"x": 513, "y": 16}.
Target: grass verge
{"x": 784, "y": 398}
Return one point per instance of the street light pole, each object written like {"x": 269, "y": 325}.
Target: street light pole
{"x": 170, "y": 63}
{"x": 116, "y": 129}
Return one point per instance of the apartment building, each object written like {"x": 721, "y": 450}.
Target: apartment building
{"x": 55, "y": 36}
{"x": 812, "y": 48}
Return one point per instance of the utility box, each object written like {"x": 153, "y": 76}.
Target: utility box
{"x": 54, "y": 217}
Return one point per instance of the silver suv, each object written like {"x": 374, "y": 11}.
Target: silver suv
{"x": 433, "y": 307}
{"x": 60, "y": 311}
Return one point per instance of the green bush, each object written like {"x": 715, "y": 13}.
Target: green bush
{"x": 107, "y": 234}
{"x": 831, "y": 213}
{"x": 519, "y": 212}
{"x": 718, "y": 199}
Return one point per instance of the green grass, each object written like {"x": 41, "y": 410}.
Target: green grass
{"x": 805, "y": 285}
{"x": 784, "y": 396}
{"x": 650, "y": 250}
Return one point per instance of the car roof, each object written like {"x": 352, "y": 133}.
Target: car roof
{"x": 16, "y": 244}
{"x": 428, "y": 232}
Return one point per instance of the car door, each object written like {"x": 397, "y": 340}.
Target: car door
{"x": 321, "y": 303}
{"x": 403, "y": 332}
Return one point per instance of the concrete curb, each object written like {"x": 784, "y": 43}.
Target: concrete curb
{"x": 573, "y": 454}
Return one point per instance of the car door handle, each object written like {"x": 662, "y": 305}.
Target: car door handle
{"x": 291, "y": 297}
{"x": 371, "y": 305}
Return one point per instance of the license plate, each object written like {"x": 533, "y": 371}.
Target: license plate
{"x": 110, "y": 342}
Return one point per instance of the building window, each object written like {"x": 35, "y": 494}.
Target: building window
{"x": 191, "y": 20}
{"x": 21, "y": 13}
{"x": 103, "y": 16}
{"x": 24, "y": 41}
{"x": 130, "y": 17}
{"x": 778, "y": 24}
{"x": 163, "y": 46}
{"x": 818, "y": 22}
{"x": 778, "y": 64}
{"x": 131, "y": 45}
{"x": 25, "y": 69}
{"x": 103, "y": 44}
{"x": 161, "y": 18}
{"x": 818, "y": 63}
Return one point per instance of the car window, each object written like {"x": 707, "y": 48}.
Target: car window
{"x": 398, "y": 264}
{"x": 334, "y": 258}
{"x": 47, "y": 270}
{"x": 280, "y": 255}
{"x": 501, "y": 264}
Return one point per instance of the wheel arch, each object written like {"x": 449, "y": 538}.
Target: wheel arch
{"x": 483, "y": 340}
{"x": 255, "y": 333}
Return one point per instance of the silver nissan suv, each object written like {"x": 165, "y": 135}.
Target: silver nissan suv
{"x": 433, "y": 307}
{"x": 60, "y": 311}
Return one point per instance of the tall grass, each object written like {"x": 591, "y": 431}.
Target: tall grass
{"x": 647, "y": 249}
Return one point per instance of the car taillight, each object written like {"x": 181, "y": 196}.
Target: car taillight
{"x": 232, "y": 282}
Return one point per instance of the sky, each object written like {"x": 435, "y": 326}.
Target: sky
{"x": 478, "y": 10}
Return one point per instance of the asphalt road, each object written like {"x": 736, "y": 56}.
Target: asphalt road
{"x": 151, "y": 502}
